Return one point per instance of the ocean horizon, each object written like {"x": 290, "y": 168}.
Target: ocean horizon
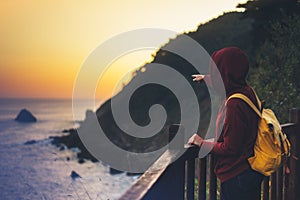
{"x": 33, "y": 168}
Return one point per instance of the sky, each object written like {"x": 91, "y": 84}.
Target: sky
{"x": 43, "y": 44}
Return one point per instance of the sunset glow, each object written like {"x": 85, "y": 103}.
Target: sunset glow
{"x": 44, "y": 43}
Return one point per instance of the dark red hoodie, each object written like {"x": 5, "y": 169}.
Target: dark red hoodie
{"x": 236, "y": 142}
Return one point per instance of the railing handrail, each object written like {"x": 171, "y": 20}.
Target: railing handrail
{"x": 152, "y": 175}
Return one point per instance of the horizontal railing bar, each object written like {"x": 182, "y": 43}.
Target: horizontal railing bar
{"x": 288, "y": 126}
{"x": 148, "y": 179}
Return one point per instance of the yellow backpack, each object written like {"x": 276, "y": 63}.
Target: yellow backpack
{"x": 272, "y": 146}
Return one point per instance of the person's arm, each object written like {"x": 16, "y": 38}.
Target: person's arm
{"x": 234, "y": 131}
{"x": 199, "y": 141}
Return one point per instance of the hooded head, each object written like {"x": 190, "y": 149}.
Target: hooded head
{"x": 233, "y": 66}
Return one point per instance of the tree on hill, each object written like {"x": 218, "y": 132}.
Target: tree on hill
{"x": 277, "y": 77}
{"x": 265, "y": 12}
{"x": 230, "y": 29}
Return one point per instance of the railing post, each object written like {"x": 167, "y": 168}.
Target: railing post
{"x": 202, "y": 178}
{"x": 293, "y": 192}
{"x": 212, "y": 178}
{"x": 279, "y": 186}
{"x": 273, "y": 186}
{"x": 190, "y": 179}
{"x": 266, "y": 188}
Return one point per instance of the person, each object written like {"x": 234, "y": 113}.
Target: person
{"x": 239, "y": 131}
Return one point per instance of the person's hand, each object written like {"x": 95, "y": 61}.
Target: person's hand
{"x": 198, "y": 77}
{"x": 196, "y": 140}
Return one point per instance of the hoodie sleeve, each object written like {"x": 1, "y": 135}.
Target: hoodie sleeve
{"x": 207, "y": 80}
{"x": 234, "y": 131}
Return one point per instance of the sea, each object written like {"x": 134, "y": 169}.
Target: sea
{"x": 32, "y": 168}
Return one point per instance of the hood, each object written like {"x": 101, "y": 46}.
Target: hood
{"x": 233, "y": 66}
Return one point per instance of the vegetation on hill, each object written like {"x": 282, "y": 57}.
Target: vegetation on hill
{"x": 276, "y": 78}
{"x": 268, "y": 31}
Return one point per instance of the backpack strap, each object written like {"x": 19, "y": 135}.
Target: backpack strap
{"x": 258, "y": 101}
{"x": 248, "y": 101}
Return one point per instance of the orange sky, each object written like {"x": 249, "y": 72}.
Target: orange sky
{"x": 44, "y": 43}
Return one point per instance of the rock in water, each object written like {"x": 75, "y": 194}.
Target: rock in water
{"x": 89, "y": 114}
{"x": 30, "y": 142}
{"x": 25, "y": 116}
{"x": 113, "y": 171}
{"x": 75, "y": 175}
